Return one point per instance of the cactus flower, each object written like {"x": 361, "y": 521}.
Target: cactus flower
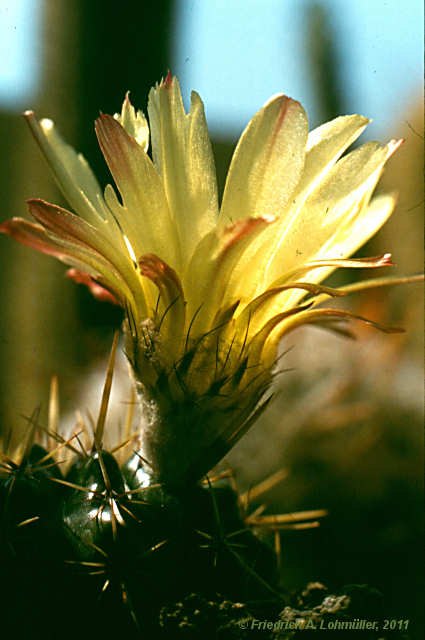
{"x": 208, "y": 290}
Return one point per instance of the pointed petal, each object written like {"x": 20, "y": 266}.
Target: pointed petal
{"x": 349, "y": 239}
{"x": 316, "y": 271}
{"x": 72, "y": 172}
{"x": 267, "y": 163}
{"x": 144, "y": 216}
{"x": 375, "y": 262}
{"x": 135, "y": 124}
{"x": 213, "y": 264}
{"x": 269, "y": 304}
{"x": 78, "y": 256}
{"x": 73, "y": 229}
{"x": 182, "y": 152}
{"x": 97, "y": 291}
{"x": 354, "y": 234}
{"x": 317, "y": 316}
{"x": 32, "y": 235}
{"x": 258, "y": 342}
{"x": 382, "y": 282}
{"x": 311, "y": 231}
{"x": 325, "y": 145}
{"x": 375, "y": 283}
{"x": 321, "y": 317}
{"x": 68, "y": 226}
{"x": 170, "y": 320}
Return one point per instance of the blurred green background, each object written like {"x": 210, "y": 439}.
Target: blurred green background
{"x": 355, "y": 451}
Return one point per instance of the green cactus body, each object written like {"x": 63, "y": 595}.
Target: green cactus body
{"x": 109, "y": 540}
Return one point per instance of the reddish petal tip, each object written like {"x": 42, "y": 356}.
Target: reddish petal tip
{"x": 386, "y": 260}
{"x": 156, "y": 269}
{"x": 35, "y": 201}
{"x": 233, "y": 233}
{"x": 5, "y": 227}
{"x": 98, "y": 292}
{"x": 168, "y": 80}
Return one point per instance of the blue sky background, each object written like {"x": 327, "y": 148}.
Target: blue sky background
{"x": 237, "y": 53}
{"x": 20, "y": 23}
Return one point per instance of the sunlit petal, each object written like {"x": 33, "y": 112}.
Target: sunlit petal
{"x": 182, "y": 152}
{"x": 330, "y": 208}
{"x": 267, "y": 163}
{"x": 143, "y": 215}
{"x": 134, "y": 123}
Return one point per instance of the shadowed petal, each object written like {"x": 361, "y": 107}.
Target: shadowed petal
{"x": 97, "y": 291}
{"x": 71, "y": 170}
{"x": 171, "y": 306}
{"x": 320, "y": 317}
{"x": 317, "y": 316}
{"x": 70, "y": 228}
{"x": 79, "y": 256}
{"x": 258, "y": 342}
{"x": 267, "y": 304}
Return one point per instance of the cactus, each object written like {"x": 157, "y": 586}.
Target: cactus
{"x": 101, "y": 540}
{"x": 106, "y": 540}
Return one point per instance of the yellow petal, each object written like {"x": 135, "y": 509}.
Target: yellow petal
{"x": 353, "y": 235}
{"x": 264, "y": 306}
{"x": 171, "y": 306}
{"x": 267, "y": 163}
{"x": 71, "y": 170}
{"x": 373, "y": 283}
{"x": 97, "y": 291}
{"x": 134, "y": 123}
{"x": 182, "y": 152}
{"x": 325, "y": 145}
{"x": 323, "y": 316}
{"x": 317, "y": 270}
{"x": 213, "y": 263}
{"x": 77, "y": 231}
{"x": 144, "y": 217}
{"x": 311, "y": 230}
{"x": 75, "y": 254}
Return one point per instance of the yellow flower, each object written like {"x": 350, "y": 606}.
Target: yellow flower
{"x": 209, "y": 292}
